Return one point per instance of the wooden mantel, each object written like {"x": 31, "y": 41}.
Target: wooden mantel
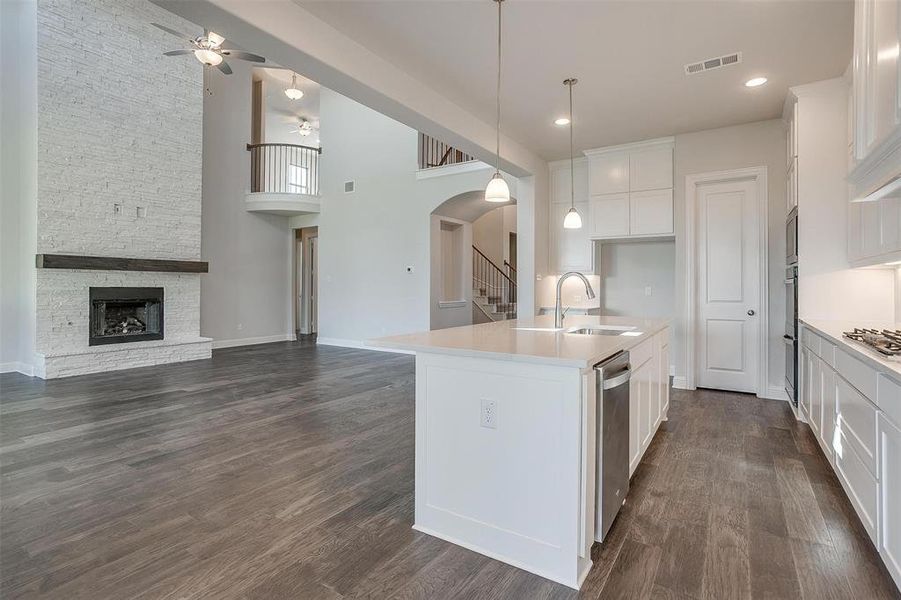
{"x": 112, "y": 263}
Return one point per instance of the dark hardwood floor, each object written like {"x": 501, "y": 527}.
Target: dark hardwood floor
{"x": 285, "y": 471}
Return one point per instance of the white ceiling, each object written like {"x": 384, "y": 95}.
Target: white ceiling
{"x": 627, "y": 54}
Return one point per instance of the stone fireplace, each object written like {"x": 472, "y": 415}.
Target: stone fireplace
{"x": 120, "y": 315}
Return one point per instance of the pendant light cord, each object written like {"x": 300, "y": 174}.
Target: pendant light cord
{"x": 572, "y": 168}
{"x": 498, "y": 147}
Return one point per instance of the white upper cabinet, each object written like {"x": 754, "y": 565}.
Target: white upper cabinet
{"x": 631, "y": 190}
{"x": 609, "y": 174}
{"x": 651, "y": 170}
{"x": 876, "y": 103}
{"x": 609, "y": 216}
{"x": 651, "y": 212}
{"x": 572, "y": 249}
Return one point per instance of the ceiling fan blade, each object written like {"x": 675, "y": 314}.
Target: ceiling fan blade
{"x": 243, "y": 55}
{"x": 178, "y": 34}
{"x": 223, "y": 66}
{"x": 177, "y": 52}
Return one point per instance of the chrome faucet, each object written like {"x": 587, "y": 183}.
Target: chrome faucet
{"x": 558, "y": 309}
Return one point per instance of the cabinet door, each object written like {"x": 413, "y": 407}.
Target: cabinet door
{"x": 884, "y": 68}
{"x": 645, "y": 409}
{"x": 870, "y": 229}
{"x": 816, "y": 394}
{"x": 608, "y": 173}
{"x": 651, "y": 169}
{"x": 573, "y": 250}
{"x": 890, "y": 496}
{"x": 827, "y": 428}
{"x": 651, "y": 213}
{"x": 665, "y": 387}
{"x": 608, "y": 216}
{"x": 890, "y": 222}
{"x": 804, "y": 365}
{"x": 634, "y": 436}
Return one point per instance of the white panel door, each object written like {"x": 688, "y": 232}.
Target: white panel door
{"x": 728, "y": 285}
{"x": 608, "y": 216}
{"x": 890, "y": 500}
{"x": 651, "y": 213}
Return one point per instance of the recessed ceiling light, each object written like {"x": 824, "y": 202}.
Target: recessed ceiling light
{"x": 757, "y": 81}
{"x": 561, "y": 121}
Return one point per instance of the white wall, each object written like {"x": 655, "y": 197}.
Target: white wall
{"x": 750, "y": 145}
{"x": 369, "y": 237}
{"x": 627, "y": 269}
{"x": 18, "y": 183}
{"x": 491, "y": 233}
{"x": 247, "y": 295}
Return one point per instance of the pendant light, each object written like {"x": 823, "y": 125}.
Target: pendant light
{"x": 497, "y": 190}
{"x": 294, "y": 92}
{"x": 572, "y": 220}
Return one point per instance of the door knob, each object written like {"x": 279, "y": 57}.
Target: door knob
{"x": 751, "y": 313}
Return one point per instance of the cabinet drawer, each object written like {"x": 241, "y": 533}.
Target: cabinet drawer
{"x": 810, "y": 340}
{"x": 857, "y": 419}
{"x": 888, "y": 398}
{"x": 860, "y": 485}
{"x": 856, "y": 373}
{"x": 641, "y": 353}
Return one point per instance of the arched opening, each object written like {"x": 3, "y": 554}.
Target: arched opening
{"x": 473, "y": 261}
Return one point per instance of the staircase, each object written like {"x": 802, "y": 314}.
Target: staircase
{"x": 493, "y": 290}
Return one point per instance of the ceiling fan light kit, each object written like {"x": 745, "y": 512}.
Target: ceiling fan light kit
{"x": 497, "y": 189}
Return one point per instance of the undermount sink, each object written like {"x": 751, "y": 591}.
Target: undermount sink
{"x": 605, "y": 330}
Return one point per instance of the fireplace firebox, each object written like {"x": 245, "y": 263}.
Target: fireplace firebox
{"x": 125, "y": 314}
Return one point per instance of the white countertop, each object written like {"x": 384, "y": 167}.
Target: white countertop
{"x": 502, "y": 340}
{"x": 833, "y": 330}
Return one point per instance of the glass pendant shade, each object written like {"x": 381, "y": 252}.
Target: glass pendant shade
{"x": 208, "y": 57}
{"x": 293, "y": 92}
{"x": 572, "y": 220}
{"x": 497, "y": 190}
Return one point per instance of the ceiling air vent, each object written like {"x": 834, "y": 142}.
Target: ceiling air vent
{"x": 713, "y": 63}
{"x": 348, "y": 187}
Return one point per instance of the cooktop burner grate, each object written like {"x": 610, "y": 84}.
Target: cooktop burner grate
{"x": 886, "y": 342}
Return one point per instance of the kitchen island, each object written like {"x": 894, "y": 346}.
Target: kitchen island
{"x": 506, "y": 422}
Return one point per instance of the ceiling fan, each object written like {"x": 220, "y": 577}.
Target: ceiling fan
{"x": 303, "y": 127}
{"x": 207, "y": 48}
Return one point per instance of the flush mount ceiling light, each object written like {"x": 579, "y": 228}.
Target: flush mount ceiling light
{"x": 294, "y": 92}
{"x": 756, "y": 82}
{"x": 561, "y": 121}
{"x": 572, "y": 220}
{"x": 497, "y": 189}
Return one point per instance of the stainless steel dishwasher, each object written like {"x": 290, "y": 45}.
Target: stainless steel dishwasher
{"x": 612, "y": 377}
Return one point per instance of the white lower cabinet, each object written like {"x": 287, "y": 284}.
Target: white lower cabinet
{"x": 890, "y": 496}
{"x": 648, "y": 394}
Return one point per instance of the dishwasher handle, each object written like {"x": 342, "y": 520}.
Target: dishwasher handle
{"x": 618, "y": 379}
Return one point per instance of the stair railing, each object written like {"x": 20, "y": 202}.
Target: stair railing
{"x": 499, "y": 287}
{"x": 511, "y": 271}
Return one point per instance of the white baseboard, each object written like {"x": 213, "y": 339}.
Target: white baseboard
{"x": 17, "y": 367}
{"x": 774, "y": 392}
{"x": 251, "y": 341}
{"x": 680, "y": 383}
{"x": 360, "y": 345}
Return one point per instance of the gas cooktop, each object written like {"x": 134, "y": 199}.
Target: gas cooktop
{"x": 886, "y": 342}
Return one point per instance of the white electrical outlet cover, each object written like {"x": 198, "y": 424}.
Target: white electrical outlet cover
{"x": 488, "y": 416}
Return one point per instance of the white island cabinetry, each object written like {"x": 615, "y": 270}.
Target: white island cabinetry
{"x": 506, "y": 434}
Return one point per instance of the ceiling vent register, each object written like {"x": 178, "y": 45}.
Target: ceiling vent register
{"x": 713, "y": 63}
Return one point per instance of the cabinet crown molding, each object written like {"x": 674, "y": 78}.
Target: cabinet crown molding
{"x": 654, "y": 144}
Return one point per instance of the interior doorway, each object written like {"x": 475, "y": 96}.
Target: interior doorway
{"x": 306, "y": 291}
{"x": 726, "y": 257}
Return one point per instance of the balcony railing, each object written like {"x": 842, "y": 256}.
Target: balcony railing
{"x": 284, "y": 168}
{"x": 435, "y": 153}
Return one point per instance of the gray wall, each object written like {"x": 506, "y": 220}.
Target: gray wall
{"x": 627, "y": 268}
{"x": 18, "y": 182}
{"x": 751, "y": 145}
{"x": 247, "y": 295}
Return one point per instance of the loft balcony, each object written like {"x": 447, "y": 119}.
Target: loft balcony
{"x": 284, "y": 179}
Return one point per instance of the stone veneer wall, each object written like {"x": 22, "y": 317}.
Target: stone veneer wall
{"x": 118, "y": 124}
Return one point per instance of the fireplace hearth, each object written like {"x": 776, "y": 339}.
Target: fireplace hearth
{"x": 125, "y": 314}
